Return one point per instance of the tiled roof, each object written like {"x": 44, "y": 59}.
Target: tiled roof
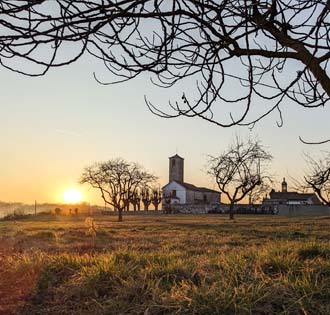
{"x": 176, "y": 156}
{"x": 287, "y": 196}
{"x": 290, "y": 195}
{"x": 193, "y": 187}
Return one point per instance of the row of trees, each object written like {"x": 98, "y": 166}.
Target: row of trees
{"x": 147, "y": 196}
{"x": 242, "y": 171}
{"x": 122, "y": 183}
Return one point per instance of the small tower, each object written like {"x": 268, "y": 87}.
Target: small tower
{"x": 176, "y": 168}
{"x": 284, "y": 185}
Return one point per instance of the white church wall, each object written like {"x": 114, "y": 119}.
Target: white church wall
{"x": 180, "y": 191}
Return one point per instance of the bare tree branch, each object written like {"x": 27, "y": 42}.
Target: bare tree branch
{"x": 313, "y": 142}
{"x": 317, "y": 177}
{"x": 268, "y": 51}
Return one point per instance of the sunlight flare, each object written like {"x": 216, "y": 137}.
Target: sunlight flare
{"x": 72, "y": 195}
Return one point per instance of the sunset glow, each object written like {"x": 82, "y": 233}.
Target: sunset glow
{"x": 72, "y": 195}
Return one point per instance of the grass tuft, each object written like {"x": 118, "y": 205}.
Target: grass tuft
{"x": 314, "y": 250}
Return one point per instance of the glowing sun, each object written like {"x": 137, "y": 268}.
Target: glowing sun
{"x": 72, "y": 195}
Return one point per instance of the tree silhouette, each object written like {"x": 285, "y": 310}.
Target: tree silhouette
{"x": 146, "y": 198}
{"x": 117, "y": 180}
{"x": 240, "y": 170}
{"x": 317, "y": 177}
{"x": 156, "y": 197}
{"x": 270, "y": 51}
{"x": 136, "y": 201}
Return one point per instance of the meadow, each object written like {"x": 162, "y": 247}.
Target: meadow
{"x": 166, "y": 264}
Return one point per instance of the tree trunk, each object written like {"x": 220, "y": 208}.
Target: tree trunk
{"x": 120, "y": 215}
{"x": 156, "y": 206}
{"x": 146, "y": 206}
{"x": 231, "y": 211}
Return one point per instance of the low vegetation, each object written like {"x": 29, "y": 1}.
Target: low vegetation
{"x": 203, "y": 264}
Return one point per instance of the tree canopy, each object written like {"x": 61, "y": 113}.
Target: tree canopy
{"x": 273, "y": 50}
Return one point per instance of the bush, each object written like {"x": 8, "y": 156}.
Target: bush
{"x": 16, "y": 215}
{"x": 58, "y": 211}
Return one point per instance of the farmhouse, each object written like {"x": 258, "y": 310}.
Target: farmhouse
{"x": 286, "y": 197}
{"x": 179, "y": 192}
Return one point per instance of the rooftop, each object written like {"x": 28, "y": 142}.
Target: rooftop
{"x": 176, "y": 156}
{"x": 195, "y": 188}
{"x": 293, "y": 195}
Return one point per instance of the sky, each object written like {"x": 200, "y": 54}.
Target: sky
{"x": 53, "y": 126}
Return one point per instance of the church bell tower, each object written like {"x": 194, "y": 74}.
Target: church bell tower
{"x": 284, "y": 186}
{"x": 176, "y": 168}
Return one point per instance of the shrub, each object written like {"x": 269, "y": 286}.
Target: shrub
{"x": 58, "y": 211}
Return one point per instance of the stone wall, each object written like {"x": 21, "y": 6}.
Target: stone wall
{"x": 285, "y": 210}
{"x": 299, "y": 210}
{"x": 189, "y": 208}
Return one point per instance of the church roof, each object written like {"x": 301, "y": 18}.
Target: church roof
{"x": 290, "y": 195}
{"x": 293, "y": 195}
{"x": 176, "y": 156}
{"x": 195, "y": 188}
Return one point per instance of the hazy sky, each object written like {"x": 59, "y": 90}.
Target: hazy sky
{"x": 53, "y": 126}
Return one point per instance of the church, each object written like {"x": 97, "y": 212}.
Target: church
{"x": 179, "y": 192}
{"x": 286, "y": 197}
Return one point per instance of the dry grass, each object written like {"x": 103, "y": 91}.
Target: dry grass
{"x": 165, "y": 265}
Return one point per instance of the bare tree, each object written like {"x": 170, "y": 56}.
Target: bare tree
{"x": 275, "y": 50}
{"x": 156, "y": 197}
{"x": 117, "y": 180}
{"x": 240, "y": 170}
{"x": 318, "y": 177}
{"x": 146, "y": 198}
{"x": 135, "y": 200}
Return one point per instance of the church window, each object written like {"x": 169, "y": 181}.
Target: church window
{"x": 173, "y": 162}
{"x": 174, "y": 193}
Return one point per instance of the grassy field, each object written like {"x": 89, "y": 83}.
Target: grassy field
{"x": 165, "y": 265}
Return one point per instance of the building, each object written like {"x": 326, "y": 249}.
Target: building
{"x": 286, "y": 197}
{"x": 179, "y": 192}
